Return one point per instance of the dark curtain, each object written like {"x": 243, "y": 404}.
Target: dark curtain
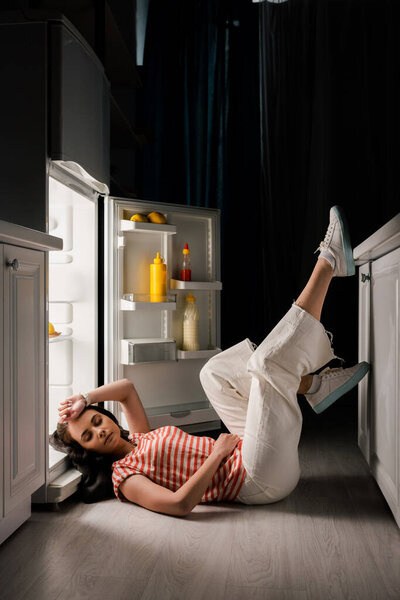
{"x": 200, "y": 102}
{"x": 274, "y": 112}
{"x": 184, "y": 103}
{"x": 329, "y": 76}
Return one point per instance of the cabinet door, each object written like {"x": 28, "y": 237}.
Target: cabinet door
{"x": 385, "y": 409}
{"x": 364, "y": 353}
{"x": 24, "y": 374}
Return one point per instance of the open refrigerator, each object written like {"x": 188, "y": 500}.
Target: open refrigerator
{"x": 142, "y": 339}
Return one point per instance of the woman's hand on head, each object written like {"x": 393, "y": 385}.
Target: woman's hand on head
{"x": 70, "y": 408}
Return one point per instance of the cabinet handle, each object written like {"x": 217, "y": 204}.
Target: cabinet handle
{"x": 365, "y": 277}
{"x": 14, "y": 264}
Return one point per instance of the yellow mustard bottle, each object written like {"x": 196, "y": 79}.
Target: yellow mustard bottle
{"x": 158, "y": 280}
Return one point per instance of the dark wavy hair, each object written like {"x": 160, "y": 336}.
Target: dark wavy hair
{"x": 96, "y": 483}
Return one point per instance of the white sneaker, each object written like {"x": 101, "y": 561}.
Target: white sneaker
{"x": 337, "y": 243}
{"x": 334, "y": 383}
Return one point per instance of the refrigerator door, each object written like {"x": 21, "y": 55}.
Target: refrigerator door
{"x": 143, "y": 339}
{"x": 72, "y": 310}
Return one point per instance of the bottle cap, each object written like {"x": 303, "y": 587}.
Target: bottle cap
{"x": 186, "y": 249}
{"x": 157, "y": 259}
{"x": 190, "y": 298}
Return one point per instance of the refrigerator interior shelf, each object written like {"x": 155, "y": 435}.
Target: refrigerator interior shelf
{"x": 176, "y": 284}
{"x": 139, "y": 227}
{"x": 147, "y": 350}
{"x": 185, "y": 354}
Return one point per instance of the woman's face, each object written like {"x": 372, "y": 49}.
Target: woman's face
{"x": 96, "y": 432}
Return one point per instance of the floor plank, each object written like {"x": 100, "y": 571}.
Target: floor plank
{"x": 257, "y": 593}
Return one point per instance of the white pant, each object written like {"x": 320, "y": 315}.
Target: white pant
{"x": 254, "y": 393}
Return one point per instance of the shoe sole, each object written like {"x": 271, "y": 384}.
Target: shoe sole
{"x": 344, "y": 232}
{"x": 345, "y": 387}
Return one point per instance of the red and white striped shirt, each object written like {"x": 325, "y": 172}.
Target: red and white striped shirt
{"x": 169, "y": 456}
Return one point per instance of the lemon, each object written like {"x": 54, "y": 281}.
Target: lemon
{"x": 156, "y": 217}
{"x": 51, "y": 328}
{"x": 139, "y": 217}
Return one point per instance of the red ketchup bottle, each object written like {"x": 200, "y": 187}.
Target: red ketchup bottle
{"x": 186, "y": 271}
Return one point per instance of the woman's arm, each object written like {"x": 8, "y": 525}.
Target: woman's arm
{"x": 141, "y": 490}
{"x": 191, "y": 492}
{"x": 117, "y": 390}
{"x": 134, "y": 412}
{"x": 124, "y": 392}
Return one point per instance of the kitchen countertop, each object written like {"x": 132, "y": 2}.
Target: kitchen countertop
{"x": 384, "y": 240}
{"x": 10, "y": 233}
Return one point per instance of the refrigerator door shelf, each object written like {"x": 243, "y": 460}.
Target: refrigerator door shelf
{"x": 185, "y": 354}
{"x": 147, "y": 350}
{"x": 59, "y": 258}
{"x": 142, "y": 302}
{"x": 176, "y": 284}
{"x": 63, "y": 486}
{"x": 59, "y": 338}
{"x": 139, "y": 227}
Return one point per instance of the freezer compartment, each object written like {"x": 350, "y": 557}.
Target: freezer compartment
{"x": 79, "y": 103}
{"x": 147, "y": 350}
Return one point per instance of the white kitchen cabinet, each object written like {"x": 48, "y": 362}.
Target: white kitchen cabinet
{"x": 378, "y": 259}
{"x": 23, "y": 330}
{"x": 23, "y": 359}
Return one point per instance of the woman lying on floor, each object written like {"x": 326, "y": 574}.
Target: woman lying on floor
{"x": 253, "y": 390}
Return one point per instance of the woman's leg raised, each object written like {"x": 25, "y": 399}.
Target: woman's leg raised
{"x": 297, "y": 346}
{"x": 227, "y": 382}
{"x": 225, "y": 378}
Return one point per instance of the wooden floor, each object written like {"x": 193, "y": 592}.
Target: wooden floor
{"x": 334, "y": 537}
